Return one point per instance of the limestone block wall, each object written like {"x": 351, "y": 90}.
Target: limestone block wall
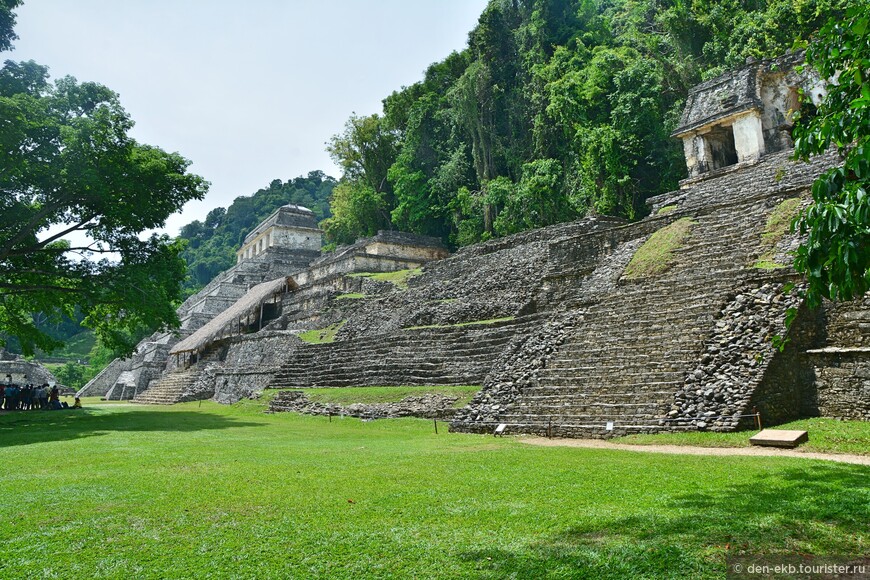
{"x": 231, "y": 385}
{"x": 841, "y": 364}
{"x": 356, "y": 262}
{"x": 848, "y": 323}
{"x": 423, "y": 254}
{"x": 842, "y": 382}
{"x": 250, "y": 363}
{"x": 296, "y": 238}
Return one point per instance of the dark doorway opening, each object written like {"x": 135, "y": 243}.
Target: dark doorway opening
{"x": 723, "y": 153}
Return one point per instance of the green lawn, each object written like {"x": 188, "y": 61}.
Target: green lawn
{"x": 228, "y": 492}
{"x": 825, "y": 436}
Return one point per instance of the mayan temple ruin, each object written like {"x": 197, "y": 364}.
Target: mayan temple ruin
{"x": 594, "y": 328}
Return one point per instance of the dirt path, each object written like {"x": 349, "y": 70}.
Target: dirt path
{"x": 689, "y": 450}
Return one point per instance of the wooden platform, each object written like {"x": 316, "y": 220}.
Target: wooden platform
{"x": 779, "y": 438}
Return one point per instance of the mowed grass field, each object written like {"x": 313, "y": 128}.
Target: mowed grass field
{"x": 210, "y": 491}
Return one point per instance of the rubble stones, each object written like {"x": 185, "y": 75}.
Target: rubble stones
{"x": 430, "y": 405}
{"x": 728, "y": 375}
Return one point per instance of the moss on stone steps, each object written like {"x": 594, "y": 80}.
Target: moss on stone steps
{"x": 656, "y": 255}
{"x": 777, "y": 226}
{"x": 322, "y": 335}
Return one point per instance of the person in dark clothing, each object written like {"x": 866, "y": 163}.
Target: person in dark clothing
{"x": 11, "y": 397}
{"x": 54, "y": 398}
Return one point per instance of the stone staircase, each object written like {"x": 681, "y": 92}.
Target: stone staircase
{"x": 454, "y": 355}
{"x": 176, "y": 386}
{"x": 169, "y": 389}
{"x": 632, "y": 349}
{"x": 618, "y": 367}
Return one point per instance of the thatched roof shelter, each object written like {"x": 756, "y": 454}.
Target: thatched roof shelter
{"x": 233, "y": 319}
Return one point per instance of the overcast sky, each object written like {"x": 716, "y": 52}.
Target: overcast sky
{"x": 249, "y": 92}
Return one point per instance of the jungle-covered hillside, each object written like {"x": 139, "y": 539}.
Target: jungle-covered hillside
{"x": 556, "y": 108}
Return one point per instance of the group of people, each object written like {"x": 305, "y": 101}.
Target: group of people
{"x": 30, "y": 397}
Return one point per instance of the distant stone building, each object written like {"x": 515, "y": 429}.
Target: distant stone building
{"x": 744, "y": 114}
{"x": 291, "y": 228}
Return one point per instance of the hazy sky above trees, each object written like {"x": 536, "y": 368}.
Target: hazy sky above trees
{"x": 249, "y": 92}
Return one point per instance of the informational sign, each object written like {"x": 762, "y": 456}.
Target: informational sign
{"x": 609, "y": 426}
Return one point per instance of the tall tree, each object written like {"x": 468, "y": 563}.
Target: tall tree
{"x": 836, "y": 254}
{"x": 556, "y": 109}
{"x": 70, "y": 171}
{"x": 362, "y": 202}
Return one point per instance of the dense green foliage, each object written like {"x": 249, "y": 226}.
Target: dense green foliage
{"x": 556, "y": 109}
{"x": 836, "y": 254}
{"x": 212, "y": 243}
{"x": 7, "y": 23}
{"x": 69, "y": 168}
{"x": 84, "y": 357}
{"x": 216, "y": 491}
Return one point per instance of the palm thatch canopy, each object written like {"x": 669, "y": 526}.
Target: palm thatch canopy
{"x": 229, "y": 322}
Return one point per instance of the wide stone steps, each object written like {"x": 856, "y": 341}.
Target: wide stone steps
{"x": 380, "y": 375}
{"x": 632, "y": 350}
{"x": 453, "y": 355}
{"x": 602, "y": 412}
{"x": 593, "y": 382}
{"x": 638, "y": 340}
{"x": 616, "y": 394}
{"x": 578, "y": 429}
{"x": 168, "y": 390}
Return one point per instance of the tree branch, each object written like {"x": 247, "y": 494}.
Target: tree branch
{"x": 41, "y": 245}
{"x": 18, "y": 289}
{"x": 28, "y": 227}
